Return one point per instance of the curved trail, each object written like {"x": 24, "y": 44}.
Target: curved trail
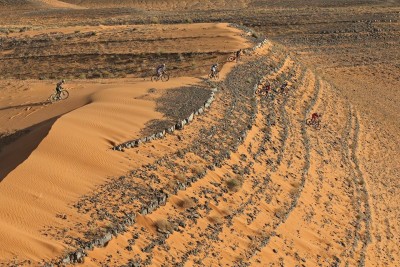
{"x": 208, "y": 223}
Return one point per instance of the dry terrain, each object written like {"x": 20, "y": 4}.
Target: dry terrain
{"x": 193, "y": 171}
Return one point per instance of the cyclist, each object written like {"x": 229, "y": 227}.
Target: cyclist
{"x": 214, "y": 69}
{"x": 238, "y": 53}
{"x": 283, "y": 87}
{"x": 267, "y": 87}
{"x": 315, "y": 117}
{"x": 59, "y": 87}
{"x": 161, "y": 70}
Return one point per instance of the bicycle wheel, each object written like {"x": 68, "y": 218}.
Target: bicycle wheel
{"x": 53, "y": 98}
{"x": 308, "y": 121}
{"x": 64, "y": 94}
{"x": 231, "y": 58}
{"x": 263, "y": 92}
{"x": 165, "y": 77}
{"x": 317, "y": 125}
{"x": 216, "y": 76}
{"x": 154, "y": 78}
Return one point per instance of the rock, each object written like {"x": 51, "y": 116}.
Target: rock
{"x": 143, "y": 211}
{"x": 135, "y": 143}
{"x": 103, "y": 242}
{"x": 160, "y": 135}
{"x": 88, "y": 246}
{"x": 162, "y": 199}
{"x": 171, "y": 129}
{"x": 66, "y": 260}
{"x": 180, "y": 125}
{"x": 190, "y": 118}
{"x": 151, "y": 137}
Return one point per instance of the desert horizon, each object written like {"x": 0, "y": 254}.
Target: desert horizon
{"x": 284, "y": 153}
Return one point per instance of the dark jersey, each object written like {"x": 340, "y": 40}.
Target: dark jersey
{"x": 59, "y": 86}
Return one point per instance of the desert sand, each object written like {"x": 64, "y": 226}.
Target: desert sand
{"x": 245, "y": 183}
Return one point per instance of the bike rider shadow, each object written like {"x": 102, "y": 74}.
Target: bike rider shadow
{"x": 26, "y": 105}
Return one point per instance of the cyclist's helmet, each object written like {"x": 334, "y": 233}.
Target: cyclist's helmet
{"x": 63, "y": 81}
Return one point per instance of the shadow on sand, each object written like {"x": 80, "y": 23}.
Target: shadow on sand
{"x": 27, "y": 105}
{"x": 15, "y": 148}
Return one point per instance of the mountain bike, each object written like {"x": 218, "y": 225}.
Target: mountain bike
{"x": 315, "y": 123}
{"x": 264, "y": 90}
{"x": 164, "y": 77}
{"x": 231, "y": 58}
{"x": 64, "y": 94}
{"x": 214, "y": 75}
{"x": 284, "y": 90}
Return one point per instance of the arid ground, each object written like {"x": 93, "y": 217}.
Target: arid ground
{"x": 197, "y": 171}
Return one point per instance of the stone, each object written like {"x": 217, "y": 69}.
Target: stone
{"x": 162, "y": 199}
{"x": 171, "y": 129}
{"x": 143, "y": 211}
{"x": 180, "y": 125}
{"x": 66, "y": 260}
{"x": 102, "y": 242}
{"x": 160, "y": 135}
{"x": 190, "y": 118}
